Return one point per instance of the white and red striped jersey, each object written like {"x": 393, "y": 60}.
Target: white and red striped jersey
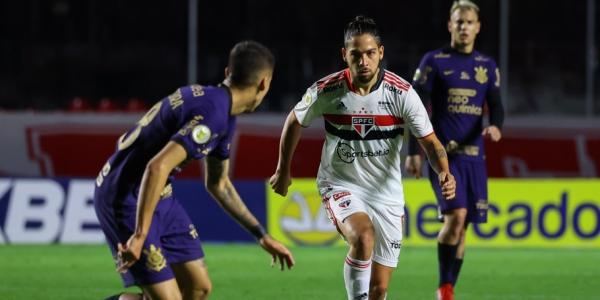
{"x": 364, "y": 134}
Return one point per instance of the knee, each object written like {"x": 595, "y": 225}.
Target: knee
{"x": 378, "y": 291}
{"x": 364, "y": 239}
{"x": 198, "y": 292}
{"x": 455, "y": 230}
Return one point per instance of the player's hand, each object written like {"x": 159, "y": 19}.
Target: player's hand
{"x": 278, "y": 252}
{"x": 448, "y": 185}
{"x": 413, "y": 165}
{"x": 492, "y": 132}
{"x": 130, "y": 253}
{"x": 280, "y": 181}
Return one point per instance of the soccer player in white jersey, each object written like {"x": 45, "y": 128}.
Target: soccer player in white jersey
{"x": 366, "y": 110}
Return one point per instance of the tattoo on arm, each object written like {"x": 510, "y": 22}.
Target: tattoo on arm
{"x": 440, "y": 153}
{"x": 225, "y": 193}
{"x": 437, "y": 157}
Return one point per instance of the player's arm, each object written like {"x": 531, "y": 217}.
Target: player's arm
{"x": 220, "y": 187}
{"x": 496, "y": 115}
{"x": 438, "y": 159}
{"x": 422, "y": 84}
{"x": 153, "y": 182}
{"x": 413, "y": 163}
{"x": 495, "y": 107}
{"x": 290, "y": 135}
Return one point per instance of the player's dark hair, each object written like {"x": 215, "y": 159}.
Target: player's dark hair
{"x": 247, "y": 60}
{"x": 361, "y": 25}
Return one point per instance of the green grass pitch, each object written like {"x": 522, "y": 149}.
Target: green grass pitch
{"x": 243, "y": 272}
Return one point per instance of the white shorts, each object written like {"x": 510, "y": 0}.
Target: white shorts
{"x": 340, "y": 203}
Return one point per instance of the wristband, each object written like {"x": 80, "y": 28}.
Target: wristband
{"x": 258, "y": 231}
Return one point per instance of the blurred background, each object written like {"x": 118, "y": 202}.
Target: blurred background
{"x": 76, "y": 74}
{"x": 52, "y": 52}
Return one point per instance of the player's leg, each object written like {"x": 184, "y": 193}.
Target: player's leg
{"x": 475, "y": 178}
{"x": 151, "y": 271}
{"x": 349, "y": 215}
{"x": 165, "y": 290}
{"x": 460, "y": 254}
{"x": 358, "y": 232}
{"x": 380, "y": 279}
{"x": 193, "y": 280}
{"x": 454, "y": 214}
{"x": 388, "y": 226}
{"x": 184, "y": 252}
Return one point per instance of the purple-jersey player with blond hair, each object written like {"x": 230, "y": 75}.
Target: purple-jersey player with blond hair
{"x": 457, "y": 81}
{"x": 152, "y": 238}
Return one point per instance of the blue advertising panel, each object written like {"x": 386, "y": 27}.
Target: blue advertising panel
{"x": 46, "y": 210}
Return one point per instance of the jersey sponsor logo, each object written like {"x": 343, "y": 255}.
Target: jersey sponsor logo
{"x": 481, "y": 58}
{"x": 347, "y": 154}
{"x": 384, "y": 104}
{"x": 193, "y": 232}
{"x": 339, "y": 195}
{"x": 448, "y": 72}
{"x": 458, "y": 102}
{"x": 201, "y": 134}
{"x": 363, "y": 125}
{"x": 191, "y": 124}
{"x": 396, "y": 244}
{"x": 391, "y": 88}
{"x": 342, "y": 106}
{"x": 205, "y": 151}
{"x": 155, "y": 260}
{"x": 332, "y": 87}
{"x": 481, "y": 75}
{"x": 465, "y": 76}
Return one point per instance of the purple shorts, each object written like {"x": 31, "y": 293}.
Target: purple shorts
{"x": 172, "y": 237}
{"x": 471, "y": 189}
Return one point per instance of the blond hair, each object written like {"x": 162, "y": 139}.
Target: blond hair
{"x": 464, "y": 4}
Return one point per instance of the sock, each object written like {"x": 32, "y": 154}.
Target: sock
{"x": 357, "y": 276}
{"x": 456, "y": 269}
{"x": 446, "y": 258}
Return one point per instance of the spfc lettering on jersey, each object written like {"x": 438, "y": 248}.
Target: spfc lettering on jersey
{"x": 363, "y": 125}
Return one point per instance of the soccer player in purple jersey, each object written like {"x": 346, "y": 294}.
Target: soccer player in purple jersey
{"x": 152, "y": 239}
{"x": 458, "y": 80}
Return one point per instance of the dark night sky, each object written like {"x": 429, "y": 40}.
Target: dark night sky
{"x": 52, "y": 51}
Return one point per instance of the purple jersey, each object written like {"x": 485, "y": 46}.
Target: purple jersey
{"x": 196, "y": 117}
{"x": 458, "y": 84}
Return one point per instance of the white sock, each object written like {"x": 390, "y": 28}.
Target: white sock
{"x": 357, "y": 276}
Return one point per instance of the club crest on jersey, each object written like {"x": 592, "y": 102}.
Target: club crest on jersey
{"x": 363, "y": 125}
{"x": 345, "y": 203}
{"x": 155, "y": 260}
{"x": 481, "y": 74}
{"x": 201, "y": 134}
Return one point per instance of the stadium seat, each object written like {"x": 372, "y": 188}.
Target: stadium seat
{"x": 107, "y": 105}
{"x": 136, "y": 105}
{"x": 79, "y": 104}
